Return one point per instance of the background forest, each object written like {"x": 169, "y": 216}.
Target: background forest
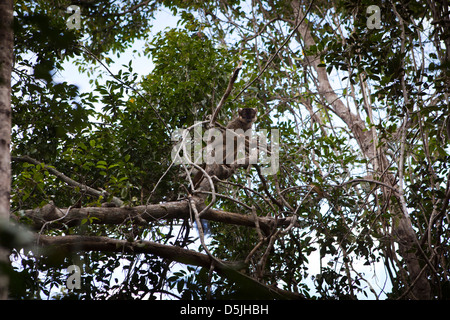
{"x": 358, "y": 91}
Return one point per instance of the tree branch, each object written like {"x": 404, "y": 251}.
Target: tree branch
{"x": 226, "y": 94}
{"x": 75, "y": 243}
{"x": 353, "y": 121}
{"x": 69, "y": 181}
{"x": 55, "y": 218}
{"x": 276, "y": 53}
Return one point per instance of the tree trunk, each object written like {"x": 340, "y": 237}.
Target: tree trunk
{"x": 6, "y": 62}
{"x": 403, "y": 232}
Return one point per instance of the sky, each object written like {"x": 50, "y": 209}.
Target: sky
{"x": 141, "y": 64}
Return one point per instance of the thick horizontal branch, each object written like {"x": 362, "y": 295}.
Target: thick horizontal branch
{"x": 53, "y": 217}
{"x": 75, "y": 243}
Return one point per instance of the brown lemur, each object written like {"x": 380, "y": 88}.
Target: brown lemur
{"x": 246, "y": 117}
{"x": 244, "y": 120}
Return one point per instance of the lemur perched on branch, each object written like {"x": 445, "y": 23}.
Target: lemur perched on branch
{"x": 246, "y": 117}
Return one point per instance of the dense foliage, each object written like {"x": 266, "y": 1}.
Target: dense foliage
{"x": 117, "y": 137}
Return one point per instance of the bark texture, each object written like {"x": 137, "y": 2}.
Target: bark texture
{"x": 6, "y": 62}
{"x": 52, "y": 217}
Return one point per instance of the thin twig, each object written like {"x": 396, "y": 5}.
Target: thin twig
{"x": 126, "y": 85}
{"x": 200, "y": 230}
{"x": 396, "y": 192}
{"x": 275, "y": 54}
{"x": 69, "y": 181}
